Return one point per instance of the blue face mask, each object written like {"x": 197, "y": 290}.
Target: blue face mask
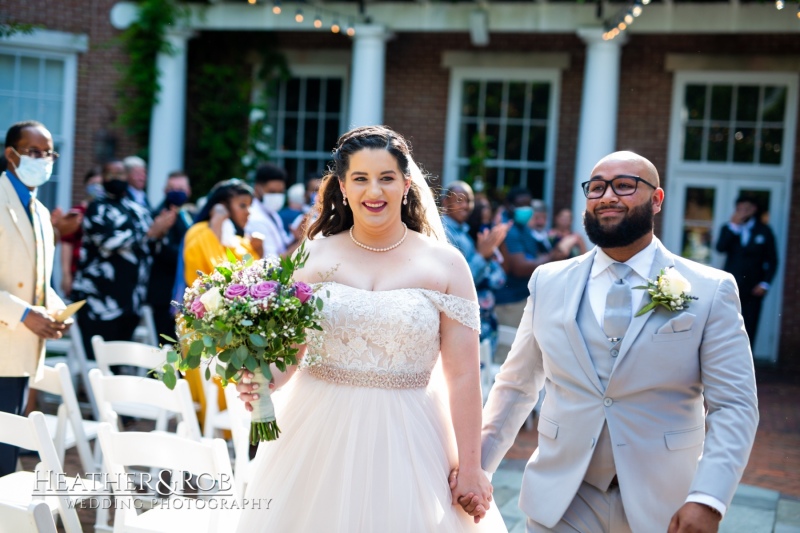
{"x": 522, "y": 215}
{"x": 177, "y": 198}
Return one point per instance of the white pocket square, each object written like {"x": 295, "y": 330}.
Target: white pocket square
{"x": 682, "y": 322}
{"x": 759, "y": 239}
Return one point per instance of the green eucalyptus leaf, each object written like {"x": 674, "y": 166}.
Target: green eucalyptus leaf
{"x": 257, "y": 340}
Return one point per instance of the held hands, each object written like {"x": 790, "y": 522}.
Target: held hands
{"x": 472, "y": 490}
{"x": 695, "y": 518}
{"x": 247, "y": 390}
{"x": 44, "y": 325}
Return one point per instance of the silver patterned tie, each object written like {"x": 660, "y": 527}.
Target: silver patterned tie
{"x": 617, "y": 315}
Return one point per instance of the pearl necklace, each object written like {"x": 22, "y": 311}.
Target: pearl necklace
{"x": 371, "y": 249}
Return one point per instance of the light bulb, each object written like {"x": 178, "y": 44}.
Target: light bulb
{"x": 636, "y": 11}
{"x": 351, "y": 31}
{"x": 299, "y": 15}
{"x": 335, "y": 27}
{"x": 317, "y": 22}
{"x": 622, "y": 26}
{"x": 276, "y": 7}
{"x": 645, "y": 2}
{"x": 779, "y": 4}
{"x": 251, "y": 1}
{"x": 628, "y": 18}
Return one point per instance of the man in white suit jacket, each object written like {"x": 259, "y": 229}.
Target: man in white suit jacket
{"x": 625, "y": 443}
{"x": 27, "y": 301}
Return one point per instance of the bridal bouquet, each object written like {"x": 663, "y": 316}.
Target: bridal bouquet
{"x": 246, "y": 314}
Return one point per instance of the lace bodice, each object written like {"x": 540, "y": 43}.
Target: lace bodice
{"x": 381, "y": 338}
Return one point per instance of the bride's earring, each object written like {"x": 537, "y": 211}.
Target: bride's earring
{"x": 405, "y": 198}
{"x": 344, "y": 199}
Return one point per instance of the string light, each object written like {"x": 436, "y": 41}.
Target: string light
{"x": 298, "y": 17}
{"x": 335, "y": 26}
{"x": 350, "y": 29}
{"x": 251, "y": 1}
{"x": 276, "y": 7}
{"x": 636, "y": 11}
{"x": 628, "y": 19}
{"x": 779, "y": 4}
{"x": 645, "y": 2}
{"x": 798, "y": 11}
{"x": 317, "y": 21}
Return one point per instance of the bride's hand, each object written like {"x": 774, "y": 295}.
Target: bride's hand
{"x": 247, "y": 390}
{"x": 472, "y": 490}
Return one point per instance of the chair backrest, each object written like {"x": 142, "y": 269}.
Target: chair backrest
{"x": 35, "y": 518}
{"x": 111, "y": 353}
{"x": 209, "y": 460}
{"x": 506, "y": 335}
{"x": 240, "y": 433}
{"x": 146, "y": 330}
{"x": 76, "y": 358}
{"x": 58, "y": 381}
{"x": 31, "y": 433}
{"x": 145, "y": 398}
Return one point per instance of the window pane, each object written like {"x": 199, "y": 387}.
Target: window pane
{"x": 693, "y": 144}
{"x": 513, "y": 143}
{"x": 291, "y": 169}
{"x": 53, "y": 77}
{"x": 747, "y": 103}
{"x": 51, "y": 116}
{"x": 6, "y": 72}
{"x": 292, "y": 95}
{"x": 512, "y": 177}
{"x": 29, "y": 75}
{"x": 313, "y": 94}
{"x": 536, "y": 182}
{"x": 541, "y": 100}
{"x": 28, "y": 109}
{"x": 695, "y": 101}
{"x": 331, "y": 134}
{"x": 698, "y": 224}
{"x": 471, "y": 105}
{"x": 468, "y": 132}
{"x": 290, "y": 134}
{"x": 537, "y": 142}
{"x": 744, "y": 145}
{"x": 333, "y": 96}
{"x": 774, "y": 104}
{"x": 310, "y": 135}
{"x": 494, "y": 99}
{"x": 718, "y": 144}
{"x": 721, "y": 98}
{"x": 516, "y": 100}
{"x": 771, "y": 146}
{"x": 6, "y": 109}
{"x": 492, "y": 139}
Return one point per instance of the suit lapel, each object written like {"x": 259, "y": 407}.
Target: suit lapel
{"x": 661, "y": 260}
{"x": 19, "y": 215}
{"x": 574, "y": 286}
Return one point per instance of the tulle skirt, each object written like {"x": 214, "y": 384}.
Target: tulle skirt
{"x": 353, "y": 459}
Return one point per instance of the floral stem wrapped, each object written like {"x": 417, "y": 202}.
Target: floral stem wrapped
{"x": 245, "y": 314}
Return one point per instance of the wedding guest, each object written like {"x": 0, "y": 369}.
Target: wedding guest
{"x": 368, "y": 417}
{"x": 264, "y": 222}
{"x": 136, "y": 175}
{"x": 562, "y": 236}
{"x": 295, "y": 205}
{"x": 71, "y": 243}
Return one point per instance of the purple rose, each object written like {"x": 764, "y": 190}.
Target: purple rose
{"x": 235, "y": 290}
{"x": 303, "y": 291}
{"x": 198, "y": 308}
{"x": 264, "y": 289}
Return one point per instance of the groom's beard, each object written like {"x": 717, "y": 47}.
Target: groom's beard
{"x": 637, "y": 223}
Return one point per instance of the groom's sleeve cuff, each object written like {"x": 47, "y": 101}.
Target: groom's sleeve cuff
{"x": 705, "y": 499}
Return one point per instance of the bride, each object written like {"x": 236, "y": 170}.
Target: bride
{"x": 368, "y": 435}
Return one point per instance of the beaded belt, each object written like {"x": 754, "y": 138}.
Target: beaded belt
{"x": 370, "y": 378}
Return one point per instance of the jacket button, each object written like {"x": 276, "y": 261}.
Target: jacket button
{"x": 614, "y": 353}
{"x": 20, "y": 284}
{"x": 607, "y": 402}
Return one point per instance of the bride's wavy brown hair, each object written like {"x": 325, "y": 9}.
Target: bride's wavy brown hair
{"x": 335, "y": 217}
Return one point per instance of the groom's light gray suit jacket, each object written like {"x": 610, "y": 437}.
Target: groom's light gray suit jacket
{"x": 664, "y": 444}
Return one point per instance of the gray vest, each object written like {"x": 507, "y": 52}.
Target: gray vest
{"x": 603, "y": 353}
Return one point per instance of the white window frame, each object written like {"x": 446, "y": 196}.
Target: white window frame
{"x": 458, "y": 75}
{"x": 47, "y": 44}
{"x": 684, "y": 78}
{"x": 309, "y": 70}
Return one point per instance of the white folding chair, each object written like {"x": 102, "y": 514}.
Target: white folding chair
{"x": 75, "y": 358}
{"x": 67, "y": 428}
{"x": 35, "y": 518}
{"x": 488, "y": 369}
{"x": 145, "y": 398}
{"x": 215, "y": 420}
{"x": 239, "y": 420}
{"x": 24, "y": 487}
{"x": 180, "y": 456}
{"x": 145, "y": 332}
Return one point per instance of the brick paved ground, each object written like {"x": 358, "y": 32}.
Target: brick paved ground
{"x": 774, "y": 463}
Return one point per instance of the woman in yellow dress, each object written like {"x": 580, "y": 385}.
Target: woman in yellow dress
{"x": 218, "y": 227}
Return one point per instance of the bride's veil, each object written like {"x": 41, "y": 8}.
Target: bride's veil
{"x": 432, "y": 215}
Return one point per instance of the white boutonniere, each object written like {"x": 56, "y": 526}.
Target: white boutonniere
{"x": 669, "y": 290}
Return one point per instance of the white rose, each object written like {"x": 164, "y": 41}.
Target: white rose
{"x": 212, "y": 300}
{"x": 673, "y": 284}
{"x": 256, "y": 114}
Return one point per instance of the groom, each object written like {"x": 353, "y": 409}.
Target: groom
{"x": 625, "y": 442}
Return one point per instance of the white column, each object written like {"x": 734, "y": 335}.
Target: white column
{"x": 368, "y": 78}
{"x": 169, "y": 116}
{"x": 597, "y": 131}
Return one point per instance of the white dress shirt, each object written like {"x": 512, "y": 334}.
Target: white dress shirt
{"x": 600, "y": 280}
{"x": 270, "y": 228}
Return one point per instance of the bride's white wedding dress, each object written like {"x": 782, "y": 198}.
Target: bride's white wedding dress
{"x": 366, "y": 441}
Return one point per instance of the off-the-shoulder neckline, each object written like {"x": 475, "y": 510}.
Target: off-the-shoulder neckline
{"x": 394, "y": 290}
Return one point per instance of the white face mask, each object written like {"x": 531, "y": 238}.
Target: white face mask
{"x": 33, "y": 172}
{"x": 274, "y": 201}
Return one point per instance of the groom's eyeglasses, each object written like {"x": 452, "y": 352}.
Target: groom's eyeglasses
{"x": 621, "y": 185}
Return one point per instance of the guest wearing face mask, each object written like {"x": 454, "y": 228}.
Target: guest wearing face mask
{"x": 115, "y": 260}
{"x": 166, "y": 252}
{"x": 265, "y": 222}
{"x": 71, "y": 243}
